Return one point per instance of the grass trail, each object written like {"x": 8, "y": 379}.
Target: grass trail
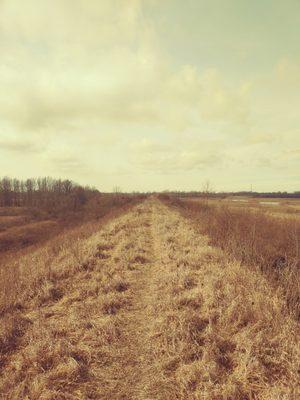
{"x": 152, "y": 313}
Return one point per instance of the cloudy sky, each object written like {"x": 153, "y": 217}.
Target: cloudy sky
{"x": 152, "y": 94}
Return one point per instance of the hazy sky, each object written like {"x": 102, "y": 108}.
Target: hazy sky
{"x": 152, "y": 94}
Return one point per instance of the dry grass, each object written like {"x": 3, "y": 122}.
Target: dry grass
{"x": 254, "y": 238}
{"x": 143, "y": 308}
{"x": 223, "y": 332}
{"x": 278, "y": 207}
{"x": 21, "y": 228}
{"x": 18, "y": 237}
{"x": 59, "y": 314}
{"x": 21, "y": 277}
{"x": 9, "y": 221}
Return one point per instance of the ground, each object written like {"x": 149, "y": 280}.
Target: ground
{"x": 152, "y": 312}
{"x": 277, "y": 207}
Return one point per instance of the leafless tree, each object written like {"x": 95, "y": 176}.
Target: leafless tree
{"x": 117, "y": 190}
{"x": 45, "y": 193}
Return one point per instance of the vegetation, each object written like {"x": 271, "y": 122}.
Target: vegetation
{"x": 221, "y": 332}
{"x": 139, "y": 304}
{"x": 44, "y": 193}
{"x": 212, "y": 194}
{"x": 255, "y": 238}
{"x": 34, "y": 210}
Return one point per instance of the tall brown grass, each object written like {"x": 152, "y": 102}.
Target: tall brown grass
{"x": 59, "y": 311}
{"x": 22, "y": 227}
{"x": 221, "y": 331}
{"x": 144, "y": 309}
{"x": 254, "y": 238}
{"x": 21, "y": 276}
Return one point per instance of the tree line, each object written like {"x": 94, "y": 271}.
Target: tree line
{"x": 45, "y": 193}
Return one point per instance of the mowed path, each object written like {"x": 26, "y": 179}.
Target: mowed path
{"x": 142, "y": 319}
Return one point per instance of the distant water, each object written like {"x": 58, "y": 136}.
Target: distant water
{"x": 242, "y": 200}
{"x": 270, "y": 203}
{"x": 265, "y": 203}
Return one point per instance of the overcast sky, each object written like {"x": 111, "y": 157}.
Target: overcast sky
{"x": 152, "y": 94}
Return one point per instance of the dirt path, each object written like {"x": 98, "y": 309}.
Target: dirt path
{"x": 151, "y": 314}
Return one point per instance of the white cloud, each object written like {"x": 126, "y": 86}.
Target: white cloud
{"x": 150, "y": 155}
{"x": 287, "y": 73}
{"x": 92, "y": 85}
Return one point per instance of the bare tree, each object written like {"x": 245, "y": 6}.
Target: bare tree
{"x": 206, "y": 187}
{"x": 207, "y": 190}
{"x": 16, "y": 192}
{"x": 6, "y": 189}
{"x": 117, "y": 190}
{"x": 47, "y": 193}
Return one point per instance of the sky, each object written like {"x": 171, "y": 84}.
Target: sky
{"x": 152, "y": 95}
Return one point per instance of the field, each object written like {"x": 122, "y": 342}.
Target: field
{"x": 24, "y": 229}
{"x": 19, "y": 228}
{"x": 143, "y": 305}
{"x": 280, "y": 207}
{"x": 254, "y": 235}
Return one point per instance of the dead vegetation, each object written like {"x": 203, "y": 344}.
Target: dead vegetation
{"x": 142, "y": 308}
{"x": 25, "y": 229}
{"x": 22, "y": 277}
{"x": 59, "y": 318}
{"x": 222, "y": 332}
{"x": 254, "y": 238}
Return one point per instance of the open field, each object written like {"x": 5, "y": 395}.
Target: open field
{"x": 280, "y": 207}
{"x": 144, "y": 307}
{"x": 149, "y": 200}
{"x": 24, "y": 227}
{"x": 254, "y": 236}
{"x": 20, "y": 233}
